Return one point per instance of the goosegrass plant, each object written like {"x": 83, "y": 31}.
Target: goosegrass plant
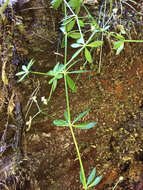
{"x": 74, "y": 26}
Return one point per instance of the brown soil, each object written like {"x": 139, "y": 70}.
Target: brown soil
{"x": 114, "y": 146}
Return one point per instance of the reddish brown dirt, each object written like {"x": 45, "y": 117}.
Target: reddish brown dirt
{"x": 114, "y": 146}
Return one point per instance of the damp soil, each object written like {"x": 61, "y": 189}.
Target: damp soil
{"x": 115, "y": 99}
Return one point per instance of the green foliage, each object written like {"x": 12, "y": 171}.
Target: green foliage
{"x": 80, "y": 116}
{"x": 81, "y": 23}
{"x": 91, "y": 181}
{"x": 56, "y": 74}
{"x": 26, "y": 70}
{"x": 95, "y": 182}
{"x": 63, "y": 123}
{"x": 56, "y": 3}
{"x": 70, "y": 25}
{"x": 74, "y": 3}
{"x": 95, "y": 44}
{"x": 82, "y": 178}
{"x": 88, "y": 55}
{"x": 71, "y": 84}
{"x": 85, "y": 125}
{"x": 91, "y": 176}
{"x": 119, "y": 45}
{"x": 66, "y": 115}
{"x": 74, "y": 35}
{"x": 75, "y": 27}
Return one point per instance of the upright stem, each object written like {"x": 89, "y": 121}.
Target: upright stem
{"x": 72, "y": 132}
{"x": 51, "y": 91}
{"x": 66, "y": 37}
{"x": 76, "y": 17}
{"x": 68, "y": 105}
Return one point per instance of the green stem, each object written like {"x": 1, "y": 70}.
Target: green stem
{"x": 133, "y": 41}
{"x": 76, "y": 17}
{"x": 39, "y": 73}
{"x": 66, "y": 37}
{"x": 72, "y": 132}
{"x": 80, "y": 50}
{"x": 65, "y": 63}
{"x": 50, "y": 92}
{"x": 89, "y": 15}
{"x": 79, "y": 157}
{"x": 114, "y": 35}
{"x": 67, "y": 98}
{"x": 68, "y": 105}
{"x": 79, "y": 28}
{"x": 36, "y": 114}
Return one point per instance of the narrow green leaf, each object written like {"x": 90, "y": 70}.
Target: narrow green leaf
{"x": 54, "y": 85}
{"x": 88, "y": 55}
{"x": 50, "y": 73}
{"x": 80, "y": 41}
{"x": 95, "y": 44}
{"x": 63, "y": 29}
{"x": 70, "y": 25}
{"x": 71, "y": 84}
{"x": 63, "y": 42}
{"x": 60, "y": 123}
{"x": 74, "y": 3}
{"x": 51, "y": 80}
{"x": 120, "y": 37}
{"x": 74, "y": 35}
{"x": 56, "y": 68}
{"x": 24, "y": 68}
{"x": 80, "y": 116}
{"x": 91, "y": 176}
{"x": 67, "y": 18}
{"x": 106, "y": 28}
{"x": 59, "y": 76}
{"x": 56, "y": 3}
{"x": 95, "y": 182}
{"x": 76, "y": 53}
{"x": 81, "y": 23}
{"x": 85, "y": 125}
{"x": 67, "y": 21}
{"x": 61, "y": 67}
{"x": 22, "y": 77}
{"x": 80, "y": 71}
{"x": 30, "y": 64}
{"x": 76, "y": 45}
{"x": 120, "y": 49}
{"x": 119, "y": 45}
{"x": 20, "y": 73}
{"x": 66, "y": 115}
{"x": 82, "y": 178}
